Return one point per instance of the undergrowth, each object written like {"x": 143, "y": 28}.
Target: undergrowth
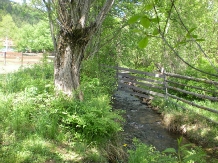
{"x": 191, "y": 122}
{"x": 148, "y": 154}
{"x": 38, "y": 126}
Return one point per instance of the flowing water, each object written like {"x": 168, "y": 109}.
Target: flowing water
{"x": 143, "y": 123}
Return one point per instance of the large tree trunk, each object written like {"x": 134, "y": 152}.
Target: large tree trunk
{"x": 77, "y": 23}
{"x": 70, "y": 53}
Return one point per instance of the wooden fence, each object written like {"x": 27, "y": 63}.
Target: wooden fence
{"x": 8, "y": 58}
{"x": 165, "y": 85}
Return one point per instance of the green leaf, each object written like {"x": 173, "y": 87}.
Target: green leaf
{"x": 155, "y": 20}
{"x": 134, "y": 19}
{"x": 192, "y": 29}
{"x": 155, "y": 32}
{"x": 136, "y": 30}
{"x": 169, "y": 150}
{"x": 182, "y": 42}
{"x": 143, "y": 43}
{"x": 200, "y": 39}
{"x": 191, "y": 36}
{"x": 145, "y": 22}
{"x": 192, "y": 157}
{"x": 194, "y": 36}
{"x": 148, "y": 7}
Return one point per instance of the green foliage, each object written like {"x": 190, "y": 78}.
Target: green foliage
{"x": 148, "y": 154}
{"x": 143, "y": 43}
{"x": 89, "y": 120}
{"x": 152, "y": 17}
{"x": 95, "y": 73}
{"x": 192, "y": 121}
{"x": 8, "y": 28}
{"x": 34, "y": 120}
{"x": 186, "y": 153}
{"x": 22, "y": 25}
{"x": 134, "y": 19}
{"x": 202, "y": 88}
{"x": 36, "y": 38}
{"x": 145, "y": 22}
{"x": 21, "y": 13}
{"x": 38, "y": 78}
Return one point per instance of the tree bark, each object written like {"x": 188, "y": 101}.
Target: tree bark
{"x": 76, "y": 26}
{"x": 70, "y": 53}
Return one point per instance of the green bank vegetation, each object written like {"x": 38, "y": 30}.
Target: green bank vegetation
{"x": 37, "y": 125}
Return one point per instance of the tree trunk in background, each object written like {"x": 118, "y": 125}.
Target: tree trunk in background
{"x": 76, "y": 23}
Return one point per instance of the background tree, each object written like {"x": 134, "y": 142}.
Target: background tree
{"x": 181, "y": 25}
{"x": 34, "y": 38}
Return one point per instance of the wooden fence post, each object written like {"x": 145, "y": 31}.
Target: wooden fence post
{"x": 22, "y": 59}
{"x": 5, "y": 58}
{"x": 117, "y": 76}
{"x": 165, "y": 82}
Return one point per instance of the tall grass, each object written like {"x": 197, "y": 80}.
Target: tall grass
{"x": 190, "y": 121}
{"x": 38, "y": 126}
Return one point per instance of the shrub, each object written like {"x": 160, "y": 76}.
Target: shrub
{"x": 89, "y": 120}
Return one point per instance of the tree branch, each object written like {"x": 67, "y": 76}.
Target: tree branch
{"x": 101, "y": 16}
{"x": 176, "y": 53}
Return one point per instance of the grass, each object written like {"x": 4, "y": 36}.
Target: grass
{"x": 185, "y": 154}
{"x": 38, "y": 126}
{"x": 191, "y": 122}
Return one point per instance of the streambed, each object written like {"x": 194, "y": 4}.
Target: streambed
{"x": 143, "y": 123}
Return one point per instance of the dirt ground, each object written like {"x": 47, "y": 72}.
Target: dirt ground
{"x": 14, "y": 63}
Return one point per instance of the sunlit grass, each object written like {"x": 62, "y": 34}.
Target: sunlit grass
{"x": 193, "y": 122}
{"x": 38, "y": 126}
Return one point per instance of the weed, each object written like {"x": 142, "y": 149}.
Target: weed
{"x": 35, "y": 123}
{"x": 148, "y": 154}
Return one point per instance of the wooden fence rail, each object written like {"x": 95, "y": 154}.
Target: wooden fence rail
{"x": 148, "y": 85}
{"x": 8, "y": 58}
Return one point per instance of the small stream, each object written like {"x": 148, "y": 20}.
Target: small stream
{"x": 143, "y": 123}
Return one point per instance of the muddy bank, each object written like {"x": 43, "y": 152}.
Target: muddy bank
{"x": 143, "y": 123}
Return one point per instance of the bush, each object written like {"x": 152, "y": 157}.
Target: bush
{"x": 89, "y": 120}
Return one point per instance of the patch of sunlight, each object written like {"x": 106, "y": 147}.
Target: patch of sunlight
{"x": 71, "y": 156}
{"x": 42, "y": 149}
{"x": 95, "y": 155}
{"x": 35, "y": 141}
{"x": 66, "y": 154}
{"x": 205, "y": 131}
{"x": 168, "y": 119}
{"x": 23, "y": 155}
{"x": 8, "y": 139}
{"x": 216, "y": 138}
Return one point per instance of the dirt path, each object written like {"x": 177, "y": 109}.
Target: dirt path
{"x": 143, "y": 123}
{"x": 8, "y": 68}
